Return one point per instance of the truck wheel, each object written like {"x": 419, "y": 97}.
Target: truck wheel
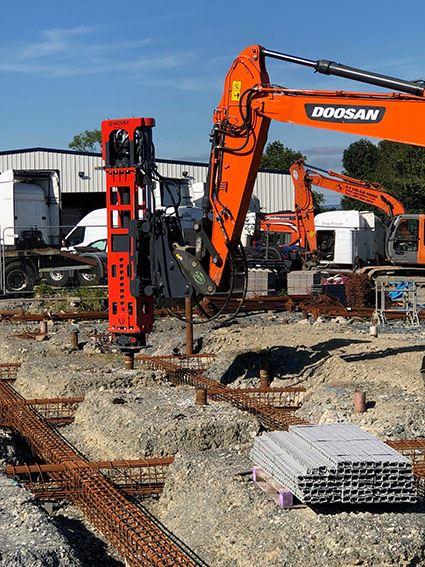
{"x": 19, "y": 278}
{"x": 91, "y": 277}
{"x": 57, "y": 279}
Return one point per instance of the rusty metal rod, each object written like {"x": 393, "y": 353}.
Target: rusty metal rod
{"x": 136, "y": 536}
{"x": 188, "y": 303}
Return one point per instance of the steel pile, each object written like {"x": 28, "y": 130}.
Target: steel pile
{"x": 188, "y": 370}
{"x": 335, "y": 463}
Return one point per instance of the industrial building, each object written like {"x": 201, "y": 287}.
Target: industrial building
{"x": 83, "y": 181}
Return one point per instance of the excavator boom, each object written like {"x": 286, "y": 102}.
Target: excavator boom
{"x": 148, "y": 257}
{"x": 305, "y": 176}
{"x": 242, "y": 118}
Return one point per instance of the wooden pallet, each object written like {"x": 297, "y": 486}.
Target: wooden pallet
{"x": 279, "y": 493}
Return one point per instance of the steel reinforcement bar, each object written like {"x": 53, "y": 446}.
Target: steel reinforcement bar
{"x": 138, "y": 537}
{"x": 414, "y": 449}
{"x": 187, "y": 370}
{"x": 141, "y": 477}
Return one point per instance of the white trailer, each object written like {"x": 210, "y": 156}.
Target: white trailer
{"x": 30, "y": 231}
{"x": 29, "y": 207}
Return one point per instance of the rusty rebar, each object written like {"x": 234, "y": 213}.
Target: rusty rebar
{"x": 138, "y": 537}
{"x": 141, "y": 477}
{"x": 183, "y": 370}
{"x": 188, "y": 304}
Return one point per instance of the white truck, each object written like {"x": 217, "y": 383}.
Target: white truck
{"x": 30, "y": 229}
{"x": 89, "y": 236}
{"x": 91, "y": 230}
{"x": 345, "y": 237}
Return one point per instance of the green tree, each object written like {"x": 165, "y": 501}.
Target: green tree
{"x": 278, "y": 156}
{"x": 87, "y": 141}
{"x": 399, "y": 168}
{"x": 360, "y": 160}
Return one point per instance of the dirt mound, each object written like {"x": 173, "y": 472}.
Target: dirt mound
{"x": 27, "y": 535}
{"x": 132, "y": 423}
{"x": 241, "y": 526}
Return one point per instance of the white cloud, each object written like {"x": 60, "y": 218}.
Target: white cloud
{"x": 55, "y": 41}
{"x": 77, "y": 51}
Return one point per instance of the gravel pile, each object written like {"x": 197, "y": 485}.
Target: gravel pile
{"x": 132, "y": 423}
{"x": 391, "y": 412}
{"x": 28, "y": 537}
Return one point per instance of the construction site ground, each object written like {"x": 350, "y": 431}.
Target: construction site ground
{"x": 209, "y": 500}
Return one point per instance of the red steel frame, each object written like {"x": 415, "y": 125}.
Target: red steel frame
{"x": 126, "y": 201}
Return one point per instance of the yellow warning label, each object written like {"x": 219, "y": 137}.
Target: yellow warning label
{"x": 236, "y": 90}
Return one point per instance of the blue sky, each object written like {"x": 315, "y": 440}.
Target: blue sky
{"x": 65, "y": 66}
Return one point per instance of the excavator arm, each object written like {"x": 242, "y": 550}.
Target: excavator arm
{"x": 147, "y": 257}
{"x": 241, "y": 121}
{"x": 305, "y": 176}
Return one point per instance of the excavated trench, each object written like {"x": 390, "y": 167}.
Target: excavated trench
{"x": 207, "y": 502}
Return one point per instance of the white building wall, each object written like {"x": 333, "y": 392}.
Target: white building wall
{"x": 274, "y": 190}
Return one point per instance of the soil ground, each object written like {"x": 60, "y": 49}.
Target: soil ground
{"x": 209, "y": 500}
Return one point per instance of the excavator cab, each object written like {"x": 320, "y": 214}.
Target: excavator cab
{"x": 406, "y": 240}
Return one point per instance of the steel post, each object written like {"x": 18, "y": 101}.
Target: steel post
{"x": 201, "y": 396}
{"x": 129, "y": 360}
{"x": 43, "y": 327}
{"x": 359, "y": 401}
{"x": 74, "y": 339}
{"x": 189, "y": 325}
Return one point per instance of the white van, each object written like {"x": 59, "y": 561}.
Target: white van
{"x": 90, "y": 231}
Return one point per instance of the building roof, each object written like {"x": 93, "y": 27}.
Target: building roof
{"x": 97, "y": 154}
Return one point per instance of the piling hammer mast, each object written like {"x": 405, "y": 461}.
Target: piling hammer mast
{"x": 128, "y": 154}
{"x": 147, "y": 258}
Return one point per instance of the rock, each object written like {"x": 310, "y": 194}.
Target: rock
{"x": 28, "y": 537}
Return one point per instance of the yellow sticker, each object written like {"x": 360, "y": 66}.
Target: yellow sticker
{"x": 236, "y": 90}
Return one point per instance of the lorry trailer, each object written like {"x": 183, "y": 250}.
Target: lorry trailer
{"x": 30, "y": 230}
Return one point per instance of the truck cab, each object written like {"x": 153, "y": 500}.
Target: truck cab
{"x": 344, "y": 237}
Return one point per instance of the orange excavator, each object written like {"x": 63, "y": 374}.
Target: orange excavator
{"x": 299, "y": 224}
{"x": 147, "y": 257}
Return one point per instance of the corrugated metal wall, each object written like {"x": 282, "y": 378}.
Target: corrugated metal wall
{"x": 274, "y": 190}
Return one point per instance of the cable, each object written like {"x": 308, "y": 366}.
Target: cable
{"x": 227, "y": 301}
